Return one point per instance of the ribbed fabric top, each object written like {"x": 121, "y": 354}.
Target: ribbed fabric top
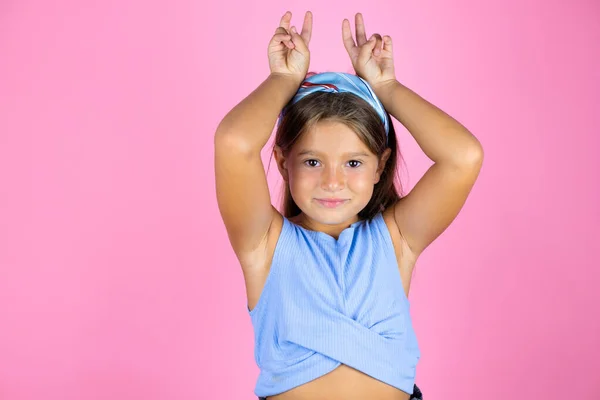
{"x": 328, "y": 302}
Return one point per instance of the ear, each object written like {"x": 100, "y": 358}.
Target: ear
{"x": 281, "y": 163}
{"x": 382, "y": 163}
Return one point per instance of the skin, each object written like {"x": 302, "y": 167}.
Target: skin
{"x": 330, "y": 161}
{"x": 414, "y": 222}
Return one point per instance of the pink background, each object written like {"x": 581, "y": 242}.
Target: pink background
{"x": 116, "y": 276}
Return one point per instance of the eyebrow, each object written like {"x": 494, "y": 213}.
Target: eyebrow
{"x": 351, "y": 154}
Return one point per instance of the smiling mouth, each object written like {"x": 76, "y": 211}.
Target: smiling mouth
{"x": 331, "y": 203}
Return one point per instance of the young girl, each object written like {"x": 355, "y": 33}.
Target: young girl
{"x": 327, "y": 278}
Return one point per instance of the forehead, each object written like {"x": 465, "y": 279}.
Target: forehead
{"x": 331, "y": 137}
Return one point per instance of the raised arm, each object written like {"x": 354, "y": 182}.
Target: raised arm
{"x": 435, "y": 201}
{"x": 242, "y": 190}
{"x": 241, "y": 185}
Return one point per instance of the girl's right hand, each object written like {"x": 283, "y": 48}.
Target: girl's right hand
{"x": 288, "y": 50}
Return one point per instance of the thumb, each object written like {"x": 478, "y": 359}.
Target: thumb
{"x": 366, "y": 50}
{"x": 387, "y": 44}
{"x": 298, "y": 41}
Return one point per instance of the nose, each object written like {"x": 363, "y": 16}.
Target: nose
{"x": 332, "y": 179}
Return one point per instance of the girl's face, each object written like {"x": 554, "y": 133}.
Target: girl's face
{"x": 331, "y": 173}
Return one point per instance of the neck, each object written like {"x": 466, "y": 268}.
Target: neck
{"x": 331, "y": 229}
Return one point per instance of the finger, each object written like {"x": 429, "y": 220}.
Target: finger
{"x": 378, "y": 42}
{"x": 387, "y": 43}
{"x": 307, "y": 27}
{"x": 361, "y": 36}
{"x": 347, "y": 36}
{"x": 298, "y": 41}
{"x": 281, "y": 30}
{"x": 284, "y": 38}
{"x": 281, "y": 36}
{"x": 285, "y": 21}
{"x": 366, "y": 51}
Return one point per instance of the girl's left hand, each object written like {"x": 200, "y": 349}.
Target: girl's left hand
{"x": 371, "y": 61}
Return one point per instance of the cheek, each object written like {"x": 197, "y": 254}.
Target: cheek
{"x": 303, "y": 179}
{"x": 361, "y": 180}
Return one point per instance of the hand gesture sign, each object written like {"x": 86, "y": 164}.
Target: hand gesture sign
{"x": 288, "y": 50}
{"x": 370, "y": 61}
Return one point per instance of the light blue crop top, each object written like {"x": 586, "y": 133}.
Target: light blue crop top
{"x": 328, "y": 302}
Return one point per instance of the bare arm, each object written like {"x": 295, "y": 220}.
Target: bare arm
{"x": 435, "y": 201}
{"x": 242, "y": 191}
{"x": 437, "y": 198}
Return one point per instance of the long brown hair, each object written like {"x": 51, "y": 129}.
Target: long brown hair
{"x": 359, "y": 116}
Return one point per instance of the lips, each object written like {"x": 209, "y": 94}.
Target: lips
{"x": 331, "y": 203}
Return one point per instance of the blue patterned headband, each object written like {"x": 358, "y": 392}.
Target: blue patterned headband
{"x": 341, "y": 82}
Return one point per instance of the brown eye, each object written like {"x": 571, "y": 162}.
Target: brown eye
{"x": 311, "y": 163}
{"x": 354, "y": 163}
